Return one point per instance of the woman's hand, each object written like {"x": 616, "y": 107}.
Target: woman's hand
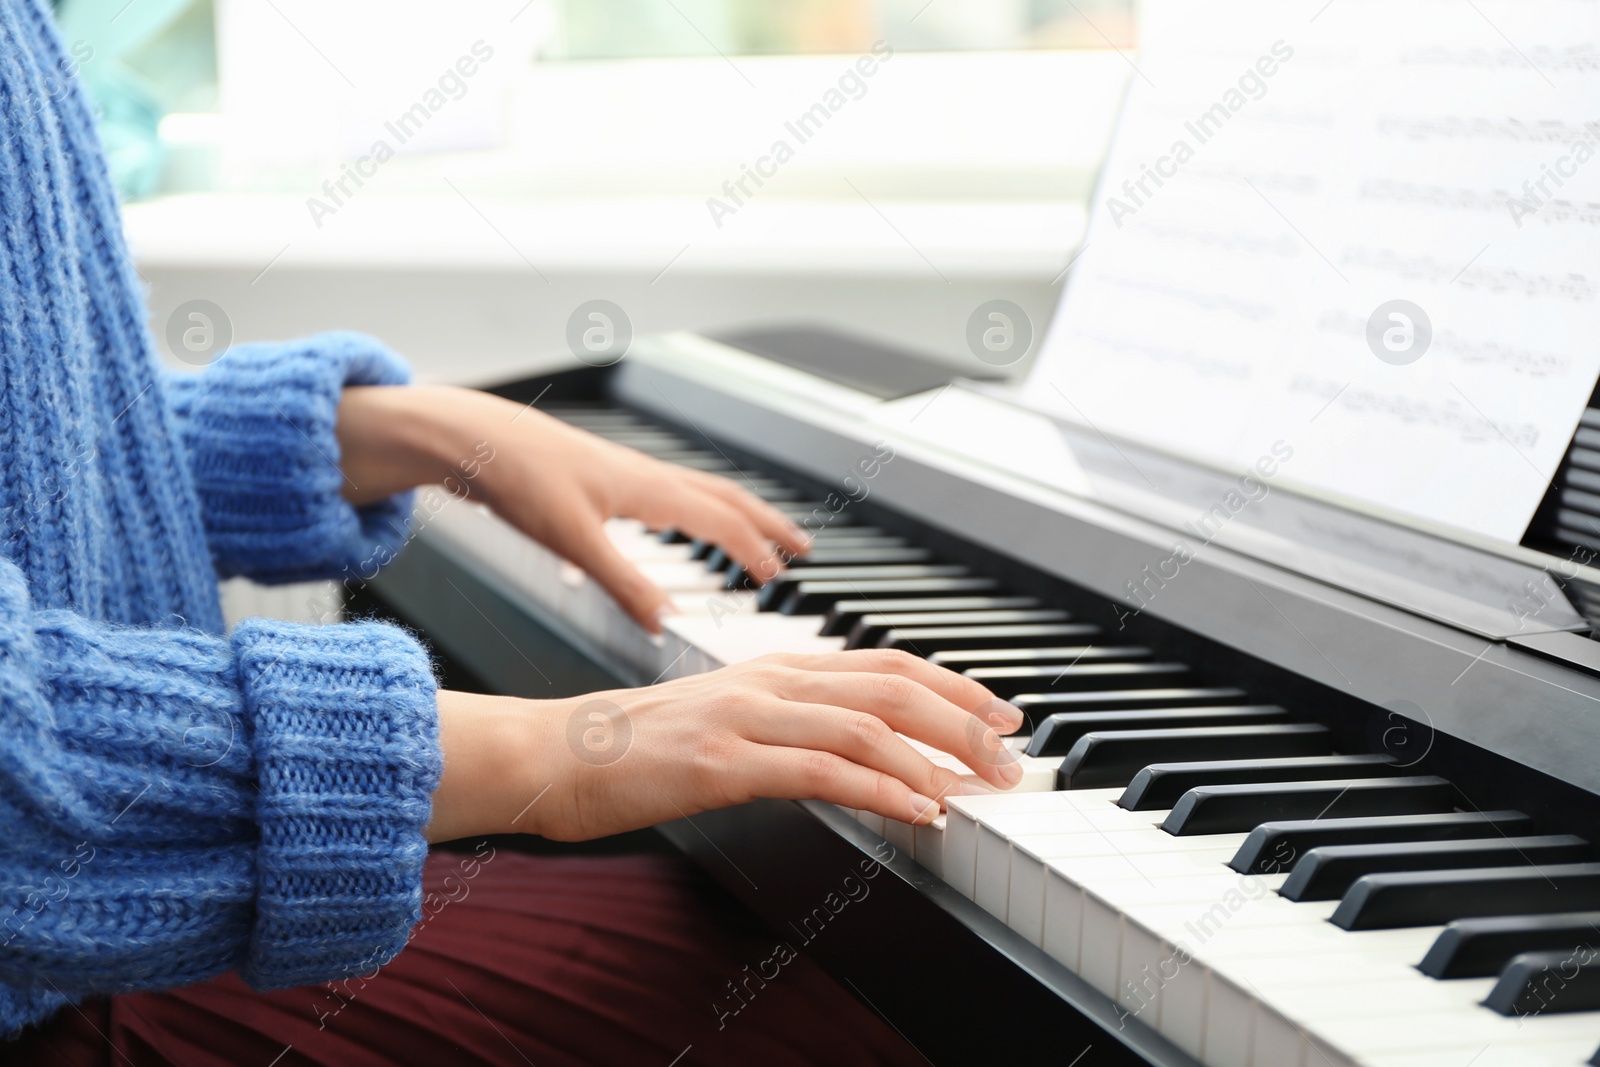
{"x": 555, "y": 483}
{"x": 800, "y": 727}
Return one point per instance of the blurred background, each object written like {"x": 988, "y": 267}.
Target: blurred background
{"x": 265, "y": 154}
{"x": 456, "y": 178}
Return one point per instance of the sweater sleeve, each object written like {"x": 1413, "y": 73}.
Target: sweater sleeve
{"x": 258, "y": 427}
{"x": 177, "y": 804}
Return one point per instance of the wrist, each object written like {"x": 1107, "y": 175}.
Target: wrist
{"x": 394, "y": 438}
{"x": 495, "y": 765}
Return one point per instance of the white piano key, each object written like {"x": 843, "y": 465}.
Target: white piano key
{"x": 1101, "y": 950}
{"x": 1139, "y": 983}
{"x": 1357, "y": 994}
{"x": 1061, "y": 934}
{"x": 1099, "y": 957}
{"x": 929, "y": 845}
{"x": 961, "y": 844}
{"x": 638, "y": 545}
{"x": 1032, "y": 855}
{"x": 1469, "y": 1031}
{"x": 1404, "y": 995}
{"x": 684, "y": 576}
{"x": 1567, "y": 1053}
{"x": 1038, "y": 772}
{"x": 1276, "y": 1040}
{"x": 1185, "y": 1000}
{"x": 1030, "y": 852}
{"x": 902, "y": 835}
{"x": 738, "y": 603}
{"x": 1230, "y": 1024}
{"x": 872, "y": 821}
{"x": 992, "y": 884}
{"x": 1321, "y": 1054}
{"x": 961, "y": 832}
{"x": 992, "y": 818}
{"x": 735, "y": 639}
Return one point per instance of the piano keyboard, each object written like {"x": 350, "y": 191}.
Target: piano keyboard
{"x": 1209, "y": 862}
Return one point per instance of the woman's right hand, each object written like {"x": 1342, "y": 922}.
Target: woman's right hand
{"x": 818, "y": 727}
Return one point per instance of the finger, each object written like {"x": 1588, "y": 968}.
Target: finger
{"x": 773, "y": 524}
{"x": 639, "y": 596}
{"x": 807, "y": 774}
{"x": 903, "y": 705}
{"x": 958, "y": 689}
{"x": 702, "y": 516}
{"x": 863, "y": 739}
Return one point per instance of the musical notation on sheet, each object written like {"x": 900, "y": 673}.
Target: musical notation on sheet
{"x": 1366, "y": 229}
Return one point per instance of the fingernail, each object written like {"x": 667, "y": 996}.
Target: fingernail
{"x": 923, "y": 809}
{"x": 667, "y": 611}
{"x": 964, "y": 788}
{"x": 998, "y": 750}
{"x": 1010, "y": 770}
{"x": 1004, "y": 716}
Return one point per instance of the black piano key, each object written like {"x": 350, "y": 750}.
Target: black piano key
{"x": 924, "y": 640}
{"x": 1327, "y": 872}
{"x": 869, "y": 629}
{"x": 834, "y": 554}
{"x": 1036, "y": 707}
{"x": 1237, "y": 809}
{"x": 839, "y": 527}
{"x": 1478, "y": 948}
{"x": 603, "y": 424}
{"x": 699, "y": 461}
{"x": 773, "y": 492}
{"x": 811, "y": 597}
{"x": 1007, "y": 682}
{"x": 1581, "y": 479}
{"x": 1057, "y": 734}
{"x": 1106, "y": 758}
{"x": 1275, "y": 846}
{"x": 719, "y": 560}
{"x": 775, "y": 592}
{"x": 815, "y": 517}
{"x": 827, "y": 556}
{"x": 1585, "y": 458}
{"x": 1546, "y": 983}
{"x": 1161, "y": 784}
{"x": 1433, "y": 898}
{"x": 1569, "y": 536}
{"x": 647, "y": 441}
{"x": 831, "y": 554}
{"x": 841, "y": 618}
{"x": 1581, "y": 521}
{"x": 960, "y": 659}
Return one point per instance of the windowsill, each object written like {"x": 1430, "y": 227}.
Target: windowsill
{"x": 625, "y": 235}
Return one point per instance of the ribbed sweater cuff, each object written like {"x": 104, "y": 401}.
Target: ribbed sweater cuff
{"x": 259, "y": 428}
{"x": 345, "y": 735}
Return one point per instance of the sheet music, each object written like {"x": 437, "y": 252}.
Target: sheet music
{"x": 1282, "y": 173}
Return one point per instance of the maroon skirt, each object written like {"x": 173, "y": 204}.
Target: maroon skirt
{"x": 520, "y": 960}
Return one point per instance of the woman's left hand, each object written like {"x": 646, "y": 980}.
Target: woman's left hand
{"x": 554, "y": 482}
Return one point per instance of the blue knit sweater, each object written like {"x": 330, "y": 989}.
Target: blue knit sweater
{"x": 175, "y": 802}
